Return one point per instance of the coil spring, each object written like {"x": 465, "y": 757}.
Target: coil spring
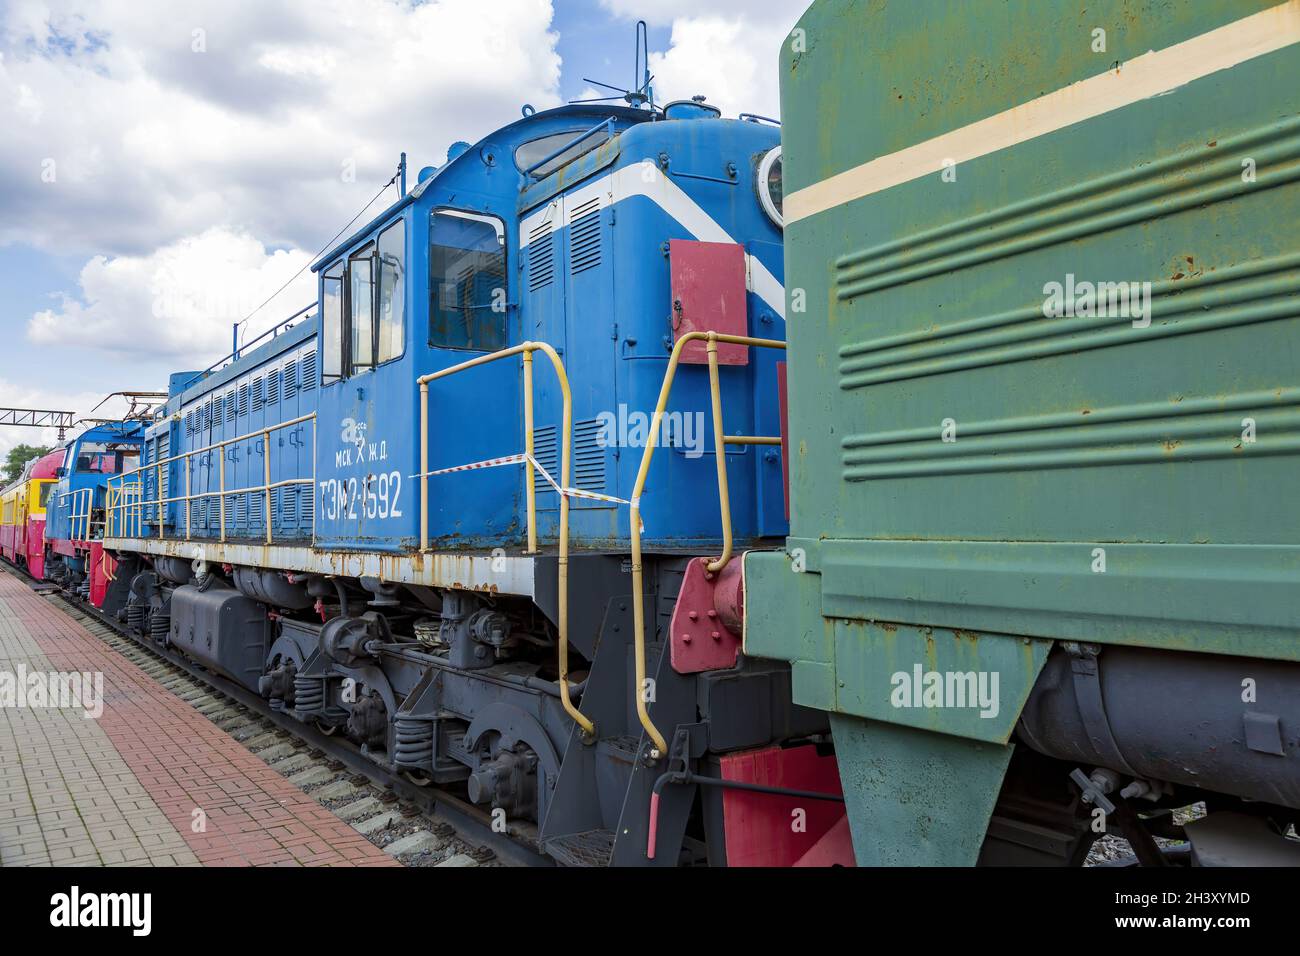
{"x": 414, "y": 743}
{"x": 308, "y": 695}
{"x": 135, "y": 616}
{"x": 160, "y": 626}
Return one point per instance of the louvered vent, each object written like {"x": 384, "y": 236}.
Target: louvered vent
{"x": 547, "y": 453}
{"x": 163, "y": 448}
{"x": 541, "y": 257}
{"x": 230, "y": 406}
{"x": 588, "y": 456}
{"x": 307, "y": 505}
{"x": 290, "y": 380}
{"x": 309, "y": 371}
{"x": 273, "y": 386}
{"x": 584, "y": 237}
{"x": 257, "y": 393}
{"x": 243, "y": 399}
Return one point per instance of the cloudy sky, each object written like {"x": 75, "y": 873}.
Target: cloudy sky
{"x": 166, "y": 165}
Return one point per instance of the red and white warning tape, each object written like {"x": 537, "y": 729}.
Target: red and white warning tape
{"x": 519, "y": 460}
{"x": 487, "y": 463}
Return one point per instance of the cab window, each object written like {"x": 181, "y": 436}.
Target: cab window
{"x": 392, "y": 291}
{"x": 332, "y": 318}
{"x": 94, "y": 458}
{"x": 46, "y": 488}
{"x": 467, "y": 281}
{"x": 100, "y": 458}
{"x": 363, "y": 307}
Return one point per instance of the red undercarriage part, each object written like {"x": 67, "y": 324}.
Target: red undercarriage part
{"x": 775, "y": 810}
{"x": 707, "y": 620}
{"x": 765, "y": 829}
{"x": 101, "y": 568}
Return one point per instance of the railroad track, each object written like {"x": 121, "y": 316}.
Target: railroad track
{"x": 419, "y": 826}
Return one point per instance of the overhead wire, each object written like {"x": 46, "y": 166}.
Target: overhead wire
{"x": 243, "y": 323}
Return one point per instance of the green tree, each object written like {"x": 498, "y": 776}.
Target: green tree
{"x": 20, "y": 455}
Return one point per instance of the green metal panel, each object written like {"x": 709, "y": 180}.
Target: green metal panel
{"x": 916, "y": 799}
{"x": 963, "y": 461}
{"x": 868, "y": 668}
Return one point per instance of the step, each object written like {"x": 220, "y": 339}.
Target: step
{"x": 592, "y": 848}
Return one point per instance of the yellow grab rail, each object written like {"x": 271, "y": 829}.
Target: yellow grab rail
{"x": 525, "y": 349}
{"x": 79, "y": 518}
{"x": 660, "y": 746}
{"x": 122, "y": 508}
{"x": 222, "y": 491}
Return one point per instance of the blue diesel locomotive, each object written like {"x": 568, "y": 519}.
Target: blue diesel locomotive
{"x": 431, "y": 514}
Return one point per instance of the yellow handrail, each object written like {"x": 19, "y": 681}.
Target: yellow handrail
{"x": 122, "y": 508}
{"x": 660, "y": 745}
{"x": 525, "y": 349}
{"x": 79, "y": 520}
{"x": 222, "y": 491}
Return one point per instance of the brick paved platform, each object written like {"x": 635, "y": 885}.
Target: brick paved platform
{"x": 123, "y": 789}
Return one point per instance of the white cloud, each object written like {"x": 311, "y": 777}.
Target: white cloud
{"x": 665, "y": 12}
{"x": 153, "y": 141}
{"x": 178, "y": 300}
{"x": 193, "y": 181}
{"x": 160, "y": 138}
{"x": 731, "y": 64}
{"x": 52, "y": 399}
{"x": 729, "y": 54}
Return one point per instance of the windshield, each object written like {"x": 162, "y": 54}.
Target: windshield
{"x": 529, "y": 154}
{"x": 100, "y": 458}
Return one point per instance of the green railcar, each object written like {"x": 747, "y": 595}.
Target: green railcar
{"x": 1043, "y": 292}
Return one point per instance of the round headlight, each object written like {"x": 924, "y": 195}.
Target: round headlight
{"x": 769, "y": 185}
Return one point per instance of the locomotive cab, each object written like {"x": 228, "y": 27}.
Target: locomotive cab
{"x": 76, "y": 502}
{"x": 556, "y": 229}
